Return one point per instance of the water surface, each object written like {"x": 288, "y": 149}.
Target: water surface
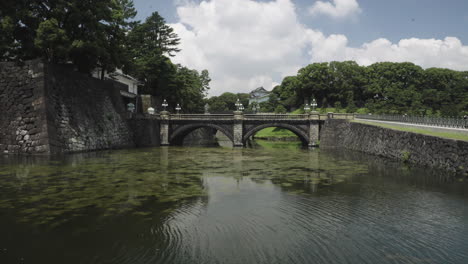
{"x": 218, "y": 205}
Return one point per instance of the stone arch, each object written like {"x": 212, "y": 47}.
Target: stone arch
{"x": 302, "y": 135}
{"x": 182, "y": 131}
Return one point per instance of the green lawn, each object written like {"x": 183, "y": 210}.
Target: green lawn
{"x": 450, "y": 135}
{"x": 274, "y": 132}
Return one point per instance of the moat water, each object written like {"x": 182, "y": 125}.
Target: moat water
{"x": 222, "y": 205}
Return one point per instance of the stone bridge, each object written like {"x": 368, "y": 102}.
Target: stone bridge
{"x": 239, "y": 127}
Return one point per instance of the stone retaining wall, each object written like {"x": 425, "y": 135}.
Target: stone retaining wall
{"x": 406, "y": 146}
{"x": 145, "y": 132}
{"x": 84, "y": 113}
{"x": 23, "y": 126}
{"x": 47, "y": 109}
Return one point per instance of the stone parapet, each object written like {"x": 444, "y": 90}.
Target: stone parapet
{"x": 410, "y": 147}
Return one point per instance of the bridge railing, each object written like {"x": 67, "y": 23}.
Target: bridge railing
{"x": 452, "y": 122}
{"x": 202, "y": 116}
{"x": 253, "y": 116}
{"x": 338, "y": 116}
{"x": 274, "y": 117}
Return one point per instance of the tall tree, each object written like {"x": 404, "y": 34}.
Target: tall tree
{"x": 153, "y": 37}
{"x": 89, "y": 33}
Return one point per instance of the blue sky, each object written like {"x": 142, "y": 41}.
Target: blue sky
{"x": 246, "y": 56}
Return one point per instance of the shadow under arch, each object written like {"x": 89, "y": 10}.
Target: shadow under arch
{"x": 302, "y": 135}
{"x": 178, "y": 135}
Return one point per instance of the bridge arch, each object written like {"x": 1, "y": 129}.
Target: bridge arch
{"x": 302, "y": 135}
{"x": 180, "y": 132}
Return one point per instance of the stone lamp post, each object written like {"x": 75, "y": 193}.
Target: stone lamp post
{"x": 313, "y": 104}
{"x": 164, "y": 105}
{"x": 178, "y": 108}
{"x": 238, "y": 104}
{"x": 306, "y": 108}
{"x": 238, "y": 118}
{"x": 164, "y": 125}
{"x": 131, "y": 107}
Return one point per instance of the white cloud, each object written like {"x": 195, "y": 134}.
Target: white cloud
{"x": 337, "y": 9}
{"x": 446, "y": 53}
{"x": 245, "y": 44}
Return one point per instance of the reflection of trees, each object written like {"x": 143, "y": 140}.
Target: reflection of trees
{"x": 105, "y": 183}
{"x": 298, "y": 171}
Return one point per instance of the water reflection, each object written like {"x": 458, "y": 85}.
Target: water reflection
{"x": 219, "y": 205}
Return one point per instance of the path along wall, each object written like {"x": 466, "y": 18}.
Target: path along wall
{"x": 49, "y": 109}
{"x": 410, "y": 147}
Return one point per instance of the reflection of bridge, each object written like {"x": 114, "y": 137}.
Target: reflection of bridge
{"x": 239, "y": 127}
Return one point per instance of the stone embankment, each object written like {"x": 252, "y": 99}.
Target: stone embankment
{"x": 406, "y": 146}
{"x": 47, "y": 109}
{"x": 23, "y": 126}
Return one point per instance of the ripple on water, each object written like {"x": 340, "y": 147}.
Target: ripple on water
{"x": 189, "y": 205}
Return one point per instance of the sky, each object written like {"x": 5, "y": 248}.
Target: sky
{"x": 245, "y": 44}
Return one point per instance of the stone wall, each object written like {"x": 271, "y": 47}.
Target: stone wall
{"x": 145, "y": 132}
{"x": 406, "y": 146}
{"x": 23, "y": 126}
{"x": 47, "y": 109}
{"x": 84, "y": 113}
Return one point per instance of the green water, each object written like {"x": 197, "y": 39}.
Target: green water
{"x": 273, "y": 204}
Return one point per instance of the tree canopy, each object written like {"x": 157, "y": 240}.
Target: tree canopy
{"x": 101, "y": 35}
{"x": 384, "y": 87}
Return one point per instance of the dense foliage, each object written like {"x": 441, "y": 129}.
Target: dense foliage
{"x": 226, "y": 102}
{"x": 384, "y": 87}
{"x": 101, "y": 35}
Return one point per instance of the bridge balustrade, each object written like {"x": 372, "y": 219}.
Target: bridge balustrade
{"x": 451, "y": 122}
{"x": 202, "y": 117}
{"x": 274, "y": 117}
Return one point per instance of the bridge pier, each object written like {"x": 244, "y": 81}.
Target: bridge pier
{"x": 164, "y": 128}
{"x": 314, "y": 118}
{"x": 238, "y": 130}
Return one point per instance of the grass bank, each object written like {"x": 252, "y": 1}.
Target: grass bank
{"x": 449, "y": 135}
{"x": 275, "y": 132}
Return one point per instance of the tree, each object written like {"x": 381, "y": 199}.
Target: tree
{"x": 52, "y": 40}
{"x": 280, "y": 109}
{"x": 189, "y": 88}
{"x": 395, "y": 87}
{"x": 88, "y": 33}
{"x": 383, "y": 87}
{"x": 227, "y": 102}
{"x": 153, "y": 38}
{"x": 287, "y": 92}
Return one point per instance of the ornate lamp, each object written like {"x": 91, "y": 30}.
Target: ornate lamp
{"x": 313, "y": 104}
{"x": 151, "y": 110}
{"x": 306, "y": 108}
{"x": 178, "y": 108}
{"x": 164, "y": 104}
{"x": 131, "y": 107}
{"x": 238, "y": 104}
